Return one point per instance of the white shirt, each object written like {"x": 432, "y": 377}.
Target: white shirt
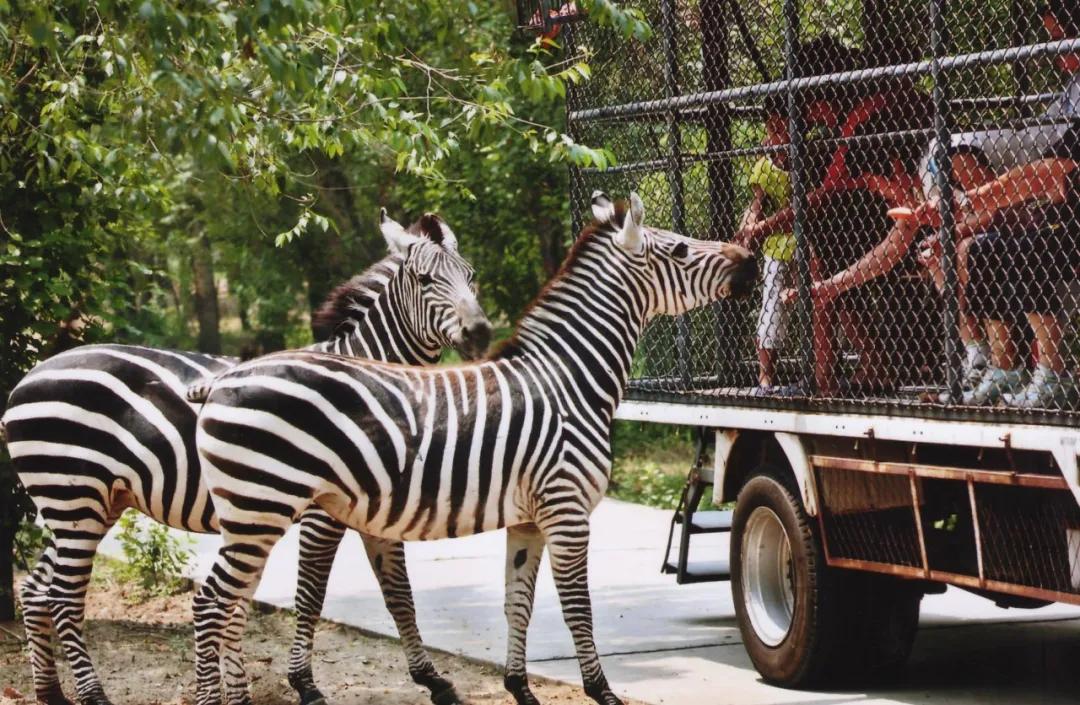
{"x": 1008, "y": 148}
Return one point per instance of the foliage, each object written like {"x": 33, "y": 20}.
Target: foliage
{"x": 152, "y": 147}
{"x": 30, "y": 541}
{"x": 646, "y": 484}
{"x": 154, "y": 558}
{"x": 651, "y": 462}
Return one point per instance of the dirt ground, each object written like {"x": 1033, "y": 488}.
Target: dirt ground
{"x": 144, "y": 654}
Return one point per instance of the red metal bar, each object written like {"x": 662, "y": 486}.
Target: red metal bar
{"x": 990, "y": 477}
{"x": 916, "y": 503}
{"x": 968, "y": 581}
{"x": 978, "y": 532}
{"x": 821, "y": 509}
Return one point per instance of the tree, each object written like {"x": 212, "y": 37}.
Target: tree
{"x": 148, "y": 148}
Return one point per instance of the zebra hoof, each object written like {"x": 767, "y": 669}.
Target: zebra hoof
{"x": 447, "y": 697}
{"x": 54, "y": 697}
{"x": 525, "y": 697}
{"x": 95, "y": 698}
{"x": 518, "y": 686}
{"x": 601, "y": 693}
{"x": 312, "y": 697}
{"x": 605, "y": 698}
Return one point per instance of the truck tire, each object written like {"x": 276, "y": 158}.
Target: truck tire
{"x": 803, "y": 623}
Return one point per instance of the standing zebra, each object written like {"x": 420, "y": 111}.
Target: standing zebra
{"x": 96, "y": 430}
{"x": 520, "y": 440}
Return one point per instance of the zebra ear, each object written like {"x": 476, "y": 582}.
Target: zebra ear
{"x": 397, "y": 240}
{"x": 631, "y": 237}
{"x": 602, "y": 207}
{"x": 435, "y": 229}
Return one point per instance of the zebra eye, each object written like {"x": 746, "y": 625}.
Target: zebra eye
{"x": 425, "y": 279}
{"x": 680, "y": 250}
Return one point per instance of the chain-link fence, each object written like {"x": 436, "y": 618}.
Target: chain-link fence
{"x": 997, "y": 530}
{"x": 822, "y": 133}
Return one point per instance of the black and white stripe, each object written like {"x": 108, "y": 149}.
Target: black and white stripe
{"x": 102, "y": 428}
{"x": 521, "y": 440}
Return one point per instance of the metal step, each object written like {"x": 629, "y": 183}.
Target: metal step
{"x": 699, "y": 571}
{"x": 708, "y": 522}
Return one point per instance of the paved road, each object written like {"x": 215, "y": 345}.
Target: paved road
{"x": 665, "y": 643}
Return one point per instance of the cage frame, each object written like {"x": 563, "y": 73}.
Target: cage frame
{"x": 677, "y": 107}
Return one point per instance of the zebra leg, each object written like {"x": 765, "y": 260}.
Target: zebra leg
{"x": 232, "y": 659}
{"x": 568, "y": 545}
{"x": 76, "y": 543}
{"x": 524, "y": 548}
{"x": 233, "y": 579}
{"x": 320, "y": 536}
{"x": 37, "y": 619}
{"x": 387, "y": 559}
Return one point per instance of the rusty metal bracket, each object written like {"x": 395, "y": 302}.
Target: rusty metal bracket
{"x": 1006, "y": 440}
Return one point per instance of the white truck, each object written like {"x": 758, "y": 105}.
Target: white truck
{"x": 842, "y": 522}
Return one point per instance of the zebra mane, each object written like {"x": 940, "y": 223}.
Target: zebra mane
{"x": 512, "y": 345}
{"x": 351, "y": 300}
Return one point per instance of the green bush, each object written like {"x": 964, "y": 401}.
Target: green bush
{"x": 646, "y": 484}
{"x": 30, "y": 541}
{"x": 154, "y": 559}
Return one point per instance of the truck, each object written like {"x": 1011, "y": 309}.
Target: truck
{"x": 848, "y": 502}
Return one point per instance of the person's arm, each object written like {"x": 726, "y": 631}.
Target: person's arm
{"x": 875, "y": 263}
{"x": 783, "y": 220}
{"x": 752, "y": 215}
{"x": 1042, "y": 180}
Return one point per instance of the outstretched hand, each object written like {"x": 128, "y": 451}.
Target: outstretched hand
{"x": 821, "y": 292}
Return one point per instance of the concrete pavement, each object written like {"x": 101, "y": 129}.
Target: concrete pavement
{"x": 666, "y": 643}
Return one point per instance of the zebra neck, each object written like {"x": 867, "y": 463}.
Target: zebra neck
{"x": 379, "y": 326}
{"x": 583, "y": 329}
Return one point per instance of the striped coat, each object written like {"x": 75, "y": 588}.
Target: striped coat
{"x": 102, "y": 428}
{"x": 521, "y": 440}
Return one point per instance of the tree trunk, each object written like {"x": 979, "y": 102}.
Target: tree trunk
{"x": 714, "y": 59}
{"x": 9, "y": 524}
{"x": 206, "y": 301}
{"x": 326, "y": 261}
{"x": 7, "y": 573}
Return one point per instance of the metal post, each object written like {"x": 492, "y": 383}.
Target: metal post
{"x": 938, "y": 48}
{"x": 579, "y": 200}
{"x": 1019, "y": 13}
{"x": 720, "y": 194}
{"x": 716, "y": 75}
{"x": 675, "y": 179}
{"x": 804, "y": 306}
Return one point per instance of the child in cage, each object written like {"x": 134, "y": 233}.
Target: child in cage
{"x": 770, "y": 187}
{"x": 842, "y": 219}
{"x": 767, "y": 222}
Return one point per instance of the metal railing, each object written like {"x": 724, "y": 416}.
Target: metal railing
{"x": 689, "y": 115}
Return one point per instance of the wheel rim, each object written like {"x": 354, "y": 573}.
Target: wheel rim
{"x": 767, "y": 576}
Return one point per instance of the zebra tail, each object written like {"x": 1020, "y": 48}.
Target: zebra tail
{"x": 3, "y": 432}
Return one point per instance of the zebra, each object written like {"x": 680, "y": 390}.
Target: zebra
{"x": 520, "y": 440}
{"x": 101, "y": 428}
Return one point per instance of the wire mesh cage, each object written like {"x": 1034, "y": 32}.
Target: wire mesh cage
{"x": 547, "y": 16}
{"x": 905, "y": 171}
{"x": 993, "y": 530}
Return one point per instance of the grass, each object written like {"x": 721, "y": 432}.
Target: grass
{"x": 650, "y": 462}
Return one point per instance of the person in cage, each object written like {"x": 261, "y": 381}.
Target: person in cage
{"x": 1016, "y": 242}
{"x": 770, "y": 186}
{"x": 844, "y": 215}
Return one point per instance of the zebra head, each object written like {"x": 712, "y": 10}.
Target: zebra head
{"x": 438, "y": 285}
{"x": 679, "y": 273}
